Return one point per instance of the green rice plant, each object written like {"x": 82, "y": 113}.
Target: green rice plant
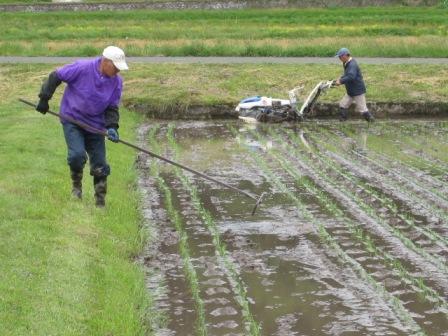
{"x": 392, "y": 171}
{"x": 427, "y": 205}
{"x": 176, "y": 220}
{"x": 412, "y": 137}
{"x": 393, "y": 301}
{"x": 424, "y": 159}
{"x": 239, "y": 288}
{"x": 384, "y": 200}
{"x": 356, "y": 231}
{"x": 436, "y": 260}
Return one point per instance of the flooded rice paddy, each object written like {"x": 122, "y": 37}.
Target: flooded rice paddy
{"x": 351, "y": 238}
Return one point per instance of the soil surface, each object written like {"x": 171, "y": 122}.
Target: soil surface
{"x": 351, "y": 238}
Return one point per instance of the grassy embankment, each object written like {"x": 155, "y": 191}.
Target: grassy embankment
{"x": 387, "y": 32}
{"x": 167, "y": 87}
{"x": 66, "y": 266}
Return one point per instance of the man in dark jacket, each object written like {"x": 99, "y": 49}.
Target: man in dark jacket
{"x": 92, "y": 96}
{"x": 354, "y": 85}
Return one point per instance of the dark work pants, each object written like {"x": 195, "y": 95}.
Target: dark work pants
{"x": 81, "y": 143}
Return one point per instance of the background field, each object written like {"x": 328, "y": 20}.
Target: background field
{"x": 391, "y": 31}
{"x": 274, "y": 3}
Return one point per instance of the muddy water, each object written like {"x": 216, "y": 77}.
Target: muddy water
{"x": 351, "y": 239}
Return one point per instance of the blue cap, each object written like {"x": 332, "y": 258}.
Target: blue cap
{"x": 342, "y": 52}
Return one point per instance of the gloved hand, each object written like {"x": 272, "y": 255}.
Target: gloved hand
{"x": 42, "y": 106}
{"x": 112, "y": 135}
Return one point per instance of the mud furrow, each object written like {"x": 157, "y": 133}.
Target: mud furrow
{"x": 163, "y": 267}
{"x": 435, "y": 183}
{"x": 399, "y": 177}
{"x": 222, "y": 310}
{"x": 386, "y": 207}
{"x": 418, "y": 203}
{"x": 318, "y": 176}
{"x": 330, "y": 251}
{"x": 401, "y": 311}
{"x": 221, "y": 253}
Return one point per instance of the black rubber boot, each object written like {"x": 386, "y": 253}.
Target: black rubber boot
{"x": 368, "y": 116}
{"x": 343, "y": 114}
{"x": 100, "y": 186}
{"x": 76, "y": 184}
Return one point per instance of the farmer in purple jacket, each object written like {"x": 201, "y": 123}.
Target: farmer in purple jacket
{"x": 354, "y": 85}
{"x": 92, "y": 96}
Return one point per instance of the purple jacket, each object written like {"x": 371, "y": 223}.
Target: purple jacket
{"x": 88, "y": 93}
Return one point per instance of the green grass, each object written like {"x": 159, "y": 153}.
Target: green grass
{"x": 166, "y": 89}
{"x": 67, "y": 267}
{"x": 391, "y": 31}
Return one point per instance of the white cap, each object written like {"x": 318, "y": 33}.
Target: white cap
{"x": 116, "y": 55}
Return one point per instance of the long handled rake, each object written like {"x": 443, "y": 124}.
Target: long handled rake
{"x": 91, "y": 129}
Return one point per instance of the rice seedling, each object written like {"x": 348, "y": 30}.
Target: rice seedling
{"x": 414, "y": 183}
{"x": 252, "y": 326}
{"x": 175, "y": 217}
{"x": 393, "y": 301}
{"x": 436, "y": 260}
{"x": 380, "y": 197}
{"x": 426, "y": 203}
{"x": 417, "y": 283}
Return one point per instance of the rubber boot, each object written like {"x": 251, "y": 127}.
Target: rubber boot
{"x": 368, "y": 116}
{"x": 76, "y": 184}
{"x": 100, "y": 186}
{"x": 343, "y": 114}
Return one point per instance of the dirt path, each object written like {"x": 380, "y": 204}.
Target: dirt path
{"x": 233, "y": 60}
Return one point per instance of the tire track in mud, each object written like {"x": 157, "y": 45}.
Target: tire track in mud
{"x": 407, "y": 279}
{"x": 395, "y": 304}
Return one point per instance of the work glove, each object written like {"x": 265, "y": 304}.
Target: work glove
{"x": 112, "y": 135}
{"x": 42, "y": 106}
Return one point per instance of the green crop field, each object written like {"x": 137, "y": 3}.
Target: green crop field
{"x": 391, "y": 31}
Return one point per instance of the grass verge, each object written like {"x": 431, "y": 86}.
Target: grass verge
{"x": 162, "y": 88}
{"x": 67, "y": 267}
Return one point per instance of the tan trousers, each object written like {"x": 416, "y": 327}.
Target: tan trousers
{"x": 360, "y": 102}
